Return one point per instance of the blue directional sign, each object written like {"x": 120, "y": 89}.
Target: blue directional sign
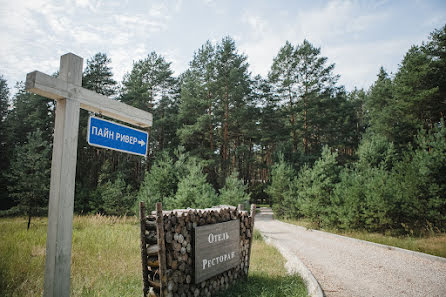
{"x": 106, "y": 134}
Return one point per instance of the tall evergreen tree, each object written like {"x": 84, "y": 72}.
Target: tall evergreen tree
{"x": 150, "y": 86}
{"x": 234, "y": 191}
{"x": 97, "y": 77}
{"x": 435, "y": 48}
{"x": 233, "y": 90}
{"x": 378, "y": 105}
{"x": 29, "y": 175}
{"x": 307, "y": 87}
{"x": 197, "y": 106}
{"x": 4, "y": 160}
{"x": 29, "y": 112}
{"x": 216, "y": 109}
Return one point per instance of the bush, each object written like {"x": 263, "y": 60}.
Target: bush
{"x": 234, "y": 191}
{"x": 281, "y": 177}
{"x": 193, "y": 189}
{"x": 160, "y": 183}
{"x": 314, "y": 186}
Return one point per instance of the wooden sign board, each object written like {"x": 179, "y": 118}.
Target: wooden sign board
{"x": 217, "y": 249}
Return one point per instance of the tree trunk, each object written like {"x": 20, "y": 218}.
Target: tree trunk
{"x": 148, "y": 149}
{"x": 292, "y": 122}
{"x": 211, "y": 128}
{"x": 29, "y": 221}
{"x": 226, "y": 126}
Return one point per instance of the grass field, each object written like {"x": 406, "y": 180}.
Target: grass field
{"x": 434, "y": 244}
{"x": 106, "y": 261}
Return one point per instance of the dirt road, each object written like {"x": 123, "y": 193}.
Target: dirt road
{"x": 348, "y": 267}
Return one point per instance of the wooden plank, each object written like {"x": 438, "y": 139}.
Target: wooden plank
{"x": 145, "y": 270}
{"x": 70, "y": 67}
{"x": 55, "y": 88}
{"x": 63, "y": 172}
{"x": 162, "y": 247}
{"x": 217, "y": 249}
{"x": 253, "y": 214}
{"x": 61, "y": 201}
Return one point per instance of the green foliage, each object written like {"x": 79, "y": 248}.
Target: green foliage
{"x": 216, "y": 110}
{"x": 98, "y": 76}
{"x": 373, "y": 159}
{"x": 29, "y": 175}
{"x": 311, "y": 191}
{"x": 407, "y": 196}
{"x": 193, "y": 189}
{"x": 117, "y": 197}
{"x": 4, "y": 160}
{"x": 234, "y": 191}
{"x": 316, "y": 110}
{"x": 160, "y": 183}
{"x": 422, "y": 182}
{"x": 178, "y": 183}
{"x": 379, "y": 106}
{"x": 150, "y": 86}
{"x": 281, "y": 177}
{"x": 4, "y": 98}
{"x": 375, "y": 152}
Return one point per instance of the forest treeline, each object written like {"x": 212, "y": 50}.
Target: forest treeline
{"x": 370, "y": 159}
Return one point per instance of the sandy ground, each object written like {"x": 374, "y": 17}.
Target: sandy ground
{"x": 349, "y": 267}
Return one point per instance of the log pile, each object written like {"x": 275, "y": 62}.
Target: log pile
{"x": 168, "y": 259}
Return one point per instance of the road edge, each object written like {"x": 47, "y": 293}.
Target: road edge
{"x": 295, "y": 265}
{"x": 381, "y": 245}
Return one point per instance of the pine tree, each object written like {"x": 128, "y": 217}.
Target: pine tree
{"x": 314, "y": 187}
{"x": 117, "y": 197}
{"x": 29, "y": 112}
{"x": 193, "y": 189}
{"x": 233, "y": 92}
{"x": 160, "y": 183}
{"x": 216, "y": 110}
{"x": 29, "y": 175}
{"x": 307, "y": 87}
{"x": 97, "y": 77}
{"x": 198, "y": 103}
{"x": 4, "y": 160}
{"x": 435, "y": 48}
{"x": 281, "y": 176}
{"x": 234, "y": 191}
{"x": 283, "y": 77}
{"x": 150, "y": 86}
{"x": 270, "y": 133}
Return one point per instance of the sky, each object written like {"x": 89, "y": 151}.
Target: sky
{"x": 357, "y": 36}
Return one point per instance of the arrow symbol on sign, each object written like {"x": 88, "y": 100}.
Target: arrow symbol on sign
{"x": 141, "y": 142}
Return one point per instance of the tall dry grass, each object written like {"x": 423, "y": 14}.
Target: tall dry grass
{"x": 106, "y": 260}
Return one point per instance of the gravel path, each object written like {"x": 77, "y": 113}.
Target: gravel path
{"x": 348, "y": 267}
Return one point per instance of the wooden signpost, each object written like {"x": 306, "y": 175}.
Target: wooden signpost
{"x": 70, "y": 96}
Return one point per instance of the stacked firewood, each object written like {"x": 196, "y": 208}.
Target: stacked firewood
{"x": 150, "y": 253}
{"x": 177, "y": 278}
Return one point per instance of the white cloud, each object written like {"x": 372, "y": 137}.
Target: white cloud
{"x": 336, "y": 20}
{"x": 90, "y": 4}
{"x": 336, "y": 28}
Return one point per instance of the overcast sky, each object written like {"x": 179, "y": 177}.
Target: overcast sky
{"x": 358, "y": 36}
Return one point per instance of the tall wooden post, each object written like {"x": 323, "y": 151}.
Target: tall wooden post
{"x": 63, "y": 172}
{"x": 70, "y": 96}
{"x": 162, "y": 247}
{"x": 145, "y": 271}
{"x": 252, "y": 217}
